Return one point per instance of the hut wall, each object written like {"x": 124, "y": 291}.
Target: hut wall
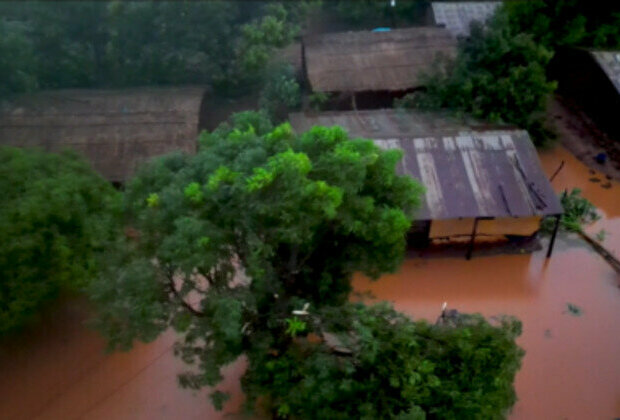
{"x": 523, "y": 226}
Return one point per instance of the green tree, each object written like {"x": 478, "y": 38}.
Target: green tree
{"x": 555, "y": 23}
{"x": 281, "y": 93}
{"x": 249, "y": 248}
{"x": 376, "y": 363}
{"x": 56, "y": 215}
{"x": 497, "y": 75}
{"x": 17, "y": 61}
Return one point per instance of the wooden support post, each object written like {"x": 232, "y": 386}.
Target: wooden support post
{"x": 555, "y": 231}
{"x": 473, "y": 237}
{"x": 353, "y": 102}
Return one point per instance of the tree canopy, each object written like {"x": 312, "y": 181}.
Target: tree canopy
{"x": 249, "y": 248}
{"x": 498, "y": 75}
{"x": 56, "y": 215}
{"x": 69, "y": 44}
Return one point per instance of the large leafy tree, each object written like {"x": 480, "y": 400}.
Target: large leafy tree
{"x": 134, "y": 43}
{"x": 56, "y": 215}
{"x": 248, "y": 248}
{"x": 498, "y": 75}
{"x": 255, "y": 225}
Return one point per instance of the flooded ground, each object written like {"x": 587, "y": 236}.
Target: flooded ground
{"x": 571, "y": 369}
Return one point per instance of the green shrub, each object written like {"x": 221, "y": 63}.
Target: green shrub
{"x": 578, "y": 211}
{"x": 498, "y": 75}
{"x": 56, "y": 215}
{"x": 378, "y": 364}
{"x": 281, "y": 93}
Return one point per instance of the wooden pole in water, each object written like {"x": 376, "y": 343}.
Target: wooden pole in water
{"x": 555, "y": 231}
{"x": 471, "y": 242}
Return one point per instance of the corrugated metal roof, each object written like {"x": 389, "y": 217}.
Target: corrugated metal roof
{"x": 371, "y": 61}
{"x": 115, "y": 130}
{"x": 457, "y": 16}
{"x": 609, "y": 61}
{"x": 467, "y": 171}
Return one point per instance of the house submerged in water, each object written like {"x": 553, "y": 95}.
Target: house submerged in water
{"x": 481, "y": 182}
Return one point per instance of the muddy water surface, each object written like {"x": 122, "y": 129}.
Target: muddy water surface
{"x": 571, "y": 369}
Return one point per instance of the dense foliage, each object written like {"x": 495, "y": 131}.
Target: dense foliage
{"x": 297, "y": 214}
{"x": 556, "y": 23}
{"x": 56, "y": 214}
{"x": 497, "y": 75}
{"x": 578, "y": 211}
{"x": 387, "y": 366}
{"x": 281, "y": 93}
{"x": 249, "y": 248}
{"x": 131, "y": 43}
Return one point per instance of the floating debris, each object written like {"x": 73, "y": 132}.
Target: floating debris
{"x": 606, "y": 185}
{"x": 547, "y": 333}
{"x": 573, "y": 309}
{"x": 594, "y": 179}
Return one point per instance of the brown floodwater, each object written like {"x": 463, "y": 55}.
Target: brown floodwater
{"x": 571, "y": 369}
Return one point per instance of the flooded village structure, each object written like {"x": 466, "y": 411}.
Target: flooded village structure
{"x": 116, "y": 130}
{"x": 365, "y": 69}
{"x": 481, "y": 182}
{"x": 485, "y": 186}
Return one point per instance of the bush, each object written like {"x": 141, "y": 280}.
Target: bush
{"x": 578, "y": 211}
{"x": 498, "y": 75}
{"x": 375, "y": 363}
{"x": 281, "y": 93}
{"x": 56, "y": 215}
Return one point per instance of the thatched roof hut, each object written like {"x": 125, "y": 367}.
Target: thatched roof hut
{"x": 456, "y": 17}
{"x": 373, "y": 61}
{"x": 472, "y": 173}
{"x": 115, "y": 130}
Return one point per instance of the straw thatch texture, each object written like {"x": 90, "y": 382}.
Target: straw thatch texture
{"x": 373, "y": 61}
{"x": 115, "y": 130}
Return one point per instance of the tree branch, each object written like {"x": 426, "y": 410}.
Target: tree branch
{"x": 182, "y": 301}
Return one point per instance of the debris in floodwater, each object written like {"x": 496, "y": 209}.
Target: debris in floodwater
{"x": 606, "y": 185}
{"x": 594, "y": 179}
{"x": 547, "y": 333}
{"x": 573, "y": 309}
{"x": 601, "y": 235}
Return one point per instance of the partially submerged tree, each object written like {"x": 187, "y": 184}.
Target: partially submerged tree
{"x": 249, "y": 248}
{"x": 56, "y": 215}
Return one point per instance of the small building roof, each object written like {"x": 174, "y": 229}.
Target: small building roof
{"x": 373, "y": 61}
{"x": 468, "y": 171}
{"x": 115, "y": 130}
{"x": 457, "y": 16}
{"x": 609, "y": 61}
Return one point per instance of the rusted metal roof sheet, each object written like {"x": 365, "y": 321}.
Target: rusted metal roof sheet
{"x": 115, "y": 130}
{"x": 457, "y": 16}
{"x": 467, "y": 171}
{"x": 609, "y": 61}
{"x": 373, "y": 61}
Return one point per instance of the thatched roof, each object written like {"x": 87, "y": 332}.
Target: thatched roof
{"x": 373, "y": 61}
{"x": 468, "y": 171}
{"x": 609, "y": 61}
{"x": 457, "y": 16}
{"x": 115, "y": 129}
